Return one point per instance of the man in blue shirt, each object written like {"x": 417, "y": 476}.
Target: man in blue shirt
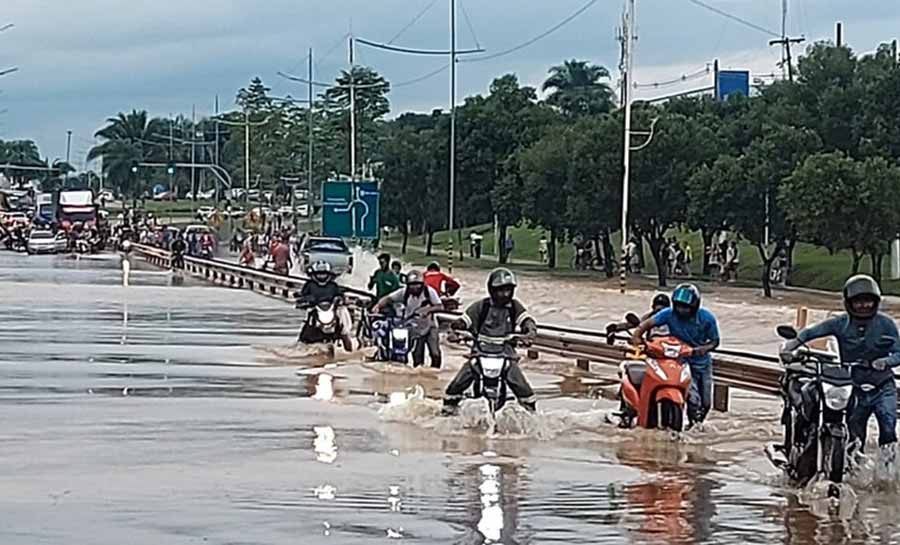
{"x": 870, "y": 339}
{"x": 696, "y": 327}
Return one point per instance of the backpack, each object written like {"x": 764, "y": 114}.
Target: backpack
{"x": 486, "y": 309}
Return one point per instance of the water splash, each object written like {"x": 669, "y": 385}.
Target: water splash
{"x": 324, "y": 444}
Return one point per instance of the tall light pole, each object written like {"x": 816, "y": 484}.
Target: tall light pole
{"x": 628, "y": 52}
{"x": 450, "y": 222}
{"x": 309, "y": 159}
{"x": 352, "y": 115}
{"x": 68, "y": 152}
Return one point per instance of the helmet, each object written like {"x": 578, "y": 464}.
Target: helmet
{"x": 433, "y": 266}
{"x": 861, "y": 288}
{"x": 501, "y": 286}
{"x": 661, "y": 300}
{"x": 126, "y": 245}
{"x": 686, "y": 300}
{"x": 321, "y": 272}
{"x": 414, "y": 283}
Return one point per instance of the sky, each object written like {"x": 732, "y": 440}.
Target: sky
{"x": 82, "y": 61}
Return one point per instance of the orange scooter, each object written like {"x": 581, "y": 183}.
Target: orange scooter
{"x": 655, "y": 382}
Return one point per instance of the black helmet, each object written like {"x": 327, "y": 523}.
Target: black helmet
{"x": 501, "y": 286}
{"x": 661, "y": 300}
{"x": 434, "y": 266}
{"x": 861, "y": 286}
{"x": 686, "y": 300}
{"x": 321, "y": 272}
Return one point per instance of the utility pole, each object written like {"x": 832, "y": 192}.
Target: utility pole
{"x": 839, "y": 34}
{"x": 628, "y": 65}
{"x": 352, "y": 115}
{"x": 68, "y": 152}
{"x": 216, "y": 160}
{"x": 450, "y": 220}
{"x": 247, "y": 156}
{"x": 309, "y": 159}
{"x": 785, "y": 42}
{"x": 193, "y": 157}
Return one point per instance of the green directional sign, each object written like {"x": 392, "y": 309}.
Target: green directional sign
{"x": 351, "y": 209}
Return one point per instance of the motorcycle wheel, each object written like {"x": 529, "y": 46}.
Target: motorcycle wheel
{"x": 834, "y": 459}
{"x": 671, "y": 416}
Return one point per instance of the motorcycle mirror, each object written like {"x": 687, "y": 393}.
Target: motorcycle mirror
{"x": 632, "y": 319}
{"x": 786, "y": 332}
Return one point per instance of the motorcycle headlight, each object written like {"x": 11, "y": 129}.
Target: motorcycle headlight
{"x": 492, "y": 367}
{"x": 400, "y": 334}
{"x": 671, "y": 351}
{"x": 685, "y": 373}
{"x": 837, "y": 397}
{"x": 657, "y": 369}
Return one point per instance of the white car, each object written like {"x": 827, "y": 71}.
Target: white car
{"x": 45, "y": 242}
{"x": 205, "y": 212}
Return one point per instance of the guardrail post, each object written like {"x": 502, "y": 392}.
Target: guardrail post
{"x": 583, "y": 364}
{"x": 721, "y": 397}
{"x": 532, "y": 354}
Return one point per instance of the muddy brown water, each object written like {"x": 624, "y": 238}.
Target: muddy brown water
{"x": 175, "y": 414}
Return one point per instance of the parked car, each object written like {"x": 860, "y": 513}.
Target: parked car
{"x": 331, "y": 249}
{"x": 14, "y": 219}
{"x": 45, "y": 242}
{"x": 205, "y": 212}
{"x": 165, "y": 196}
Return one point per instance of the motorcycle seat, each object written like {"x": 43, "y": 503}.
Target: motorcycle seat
{"x": 636, "y": 371}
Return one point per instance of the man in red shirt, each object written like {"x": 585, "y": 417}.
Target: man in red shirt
{"x": 281, "y": 256}
{"x": 442, "y": 283}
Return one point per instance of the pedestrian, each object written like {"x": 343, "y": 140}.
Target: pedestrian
{"x": 733, "y": 260}
{"x": 479, "y": 241}
{"x": 543, "y": 248}
{"x": 688, "y": 257}
{"x": 633, "y": 261}
{"x": 510, "y": 245}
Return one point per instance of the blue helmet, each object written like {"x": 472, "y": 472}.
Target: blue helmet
{"x": 686, "y": 300}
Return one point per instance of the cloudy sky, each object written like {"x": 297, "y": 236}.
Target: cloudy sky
{"x": 81, "y": 61}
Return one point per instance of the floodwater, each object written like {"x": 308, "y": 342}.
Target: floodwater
{"x": 155, "y": 413}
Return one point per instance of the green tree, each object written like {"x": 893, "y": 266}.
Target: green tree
{"x": 578, "y": 88}
{"x": 129, "y": 139}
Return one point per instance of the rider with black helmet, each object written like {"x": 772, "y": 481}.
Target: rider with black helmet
{"x": 863, "y": 335}
{"x": 321, "y": 287}
{"x": 696, "y": 327}
{"x": 492, "y": 320}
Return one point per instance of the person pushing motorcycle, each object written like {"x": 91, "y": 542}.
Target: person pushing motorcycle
{"x": 861, "y": 332}
{"x": 493, "y": 320}
{"x": 420, "y": 302}
{"x": 696, "y": 327}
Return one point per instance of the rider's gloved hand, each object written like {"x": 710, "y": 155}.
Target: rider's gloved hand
{"x": 880, "y": 364}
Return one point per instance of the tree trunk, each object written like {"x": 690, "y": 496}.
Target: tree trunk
{"x": 608, "y": 253}
{"x": 595, "y": 242}
{"x": 792, "y": 243}
{"x": 501, "y": 243}
{"x": 767, "y": 261}
{"x": 857, "y": 258}
{"x": 656, "y": 247}
{"x": 459, "y": 244}
{"x": 405, "y": 231}
{"x": 551, "y": 250}
{"x": 429, "y": 241}
{"x": 705, "y": 251}
{"x": 877, "y": 262}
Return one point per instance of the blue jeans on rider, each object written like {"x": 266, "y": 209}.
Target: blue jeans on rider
{"x": 700, "y": 394}
{"x": 883, "y": 403}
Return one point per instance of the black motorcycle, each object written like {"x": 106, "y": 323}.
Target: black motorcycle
{"x": 321, "y": 325}
{"x": 817, "y": 390}
{"x": 491, "y": 363}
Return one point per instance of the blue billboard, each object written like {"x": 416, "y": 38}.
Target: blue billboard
{"x": 730, "y": 82}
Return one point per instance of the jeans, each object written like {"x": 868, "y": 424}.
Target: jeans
{"x": 432, "y": 341}
{"x": 700, "y": 394}
{"x": 883, "y": 403}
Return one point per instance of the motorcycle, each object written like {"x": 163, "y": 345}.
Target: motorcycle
{"x": 491, "y": 363}
{"x": 321, "y": 325}
{"x": 393, "y": 338}
{"x": 817, "y": 391}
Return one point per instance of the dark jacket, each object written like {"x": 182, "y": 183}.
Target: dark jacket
{"x": 860, "y": 341}
{"x": 313, "y": 294}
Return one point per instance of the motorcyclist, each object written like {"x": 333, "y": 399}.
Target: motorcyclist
{"x": 493, "y": 320}
{"x": 439, "y": 281}
{"x": 384, "y": 280}
{"x": 660, "y": 302}
{"x": 419, "y": 302}
{"x": 861, "y": 332}
{"x": 320, "y": 288}
{"x": 696, "y": 327}
{"x": 179, "y": 247}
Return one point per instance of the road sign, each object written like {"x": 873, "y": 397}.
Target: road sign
{"x": 351, "y": 209}
{"x": 732, "y": 82}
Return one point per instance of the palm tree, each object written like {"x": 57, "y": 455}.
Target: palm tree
{"x": 577, "y": 88}
{"x": 128, "y": 139}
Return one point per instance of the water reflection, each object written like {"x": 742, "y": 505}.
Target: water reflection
{"x": 324, "y": 387}
{"x": 491, "y": 523}
{"x": 324, "y": 445}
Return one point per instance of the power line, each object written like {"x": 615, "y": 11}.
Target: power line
{"x": 683, "y": 78}
{"x": 412, "y": 51}
{"x": 414, "y": 21}
{"x": 539, "y": 37}
{"x": 469, "y": 24}
{"x": 421, "y": 78}
{"x": 735, "y": 18}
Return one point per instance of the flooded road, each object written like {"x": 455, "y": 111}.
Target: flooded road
{"x": 175, "y": 414}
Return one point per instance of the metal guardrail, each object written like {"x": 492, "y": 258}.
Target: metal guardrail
{"x": 733, "y": 369}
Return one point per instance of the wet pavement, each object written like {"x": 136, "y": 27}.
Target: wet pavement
{"x": 175, "y": 414}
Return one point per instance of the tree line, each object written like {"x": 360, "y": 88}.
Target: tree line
{"x": 813, "y": 160}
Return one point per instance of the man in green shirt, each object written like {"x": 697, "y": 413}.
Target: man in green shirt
{"x": 384, "y": 280}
